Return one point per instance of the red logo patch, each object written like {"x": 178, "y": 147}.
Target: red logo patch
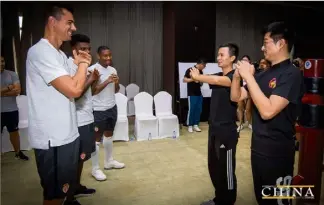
{"x": 66, "y": 187}
{"x": 273, "y": 83}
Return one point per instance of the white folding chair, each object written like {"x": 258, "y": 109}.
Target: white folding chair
{"x": 121, "y": 128}
{"x": 168, "y": 122}
{"x": 146, "y": 125}
{"x": 22, "y": 103}
{"x": 131, "y": 91}
{"x": 122, "y": 89}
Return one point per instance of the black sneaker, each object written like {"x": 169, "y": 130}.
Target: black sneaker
{"x": 84, "y": 191}
{"x": 74, "y": 202}
{"x": 21, "y": 155}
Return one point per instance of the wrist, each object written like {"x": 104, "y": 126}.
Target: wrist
{"x": 84, "y": 63}
{"x": 248, "y": 78}
{"x": 238, "y": 77}
{"x": 84, "y": 67}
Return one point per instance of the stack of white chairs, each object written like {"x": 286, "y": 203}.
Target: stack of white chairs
{"x": 122, "y": 89}
{"x": 146, "y": 124}
{"x": 121, "y": 128}
{"x": 168, "y": 123}
{"x": 131, "y": 91}
{"x": 22, "y": 103}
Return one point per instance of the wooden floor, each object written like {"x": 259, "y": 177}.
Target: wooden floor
{"x": 158, "y": 172}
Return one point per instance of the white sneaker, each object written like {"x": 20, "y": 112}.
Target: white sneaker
{"x": 113, "y": 164}
{"x": 98, "y": 175}
{"x": 190, "y": 129}
{"x": 239, "y": 128}
{"x": 196, "y": 128}
{"x": 250, "y": 126}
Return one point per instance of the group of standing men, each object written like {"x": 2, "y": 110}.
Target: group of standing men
{"x": 276, "y": 94}
{"x": 72, "y": 105}
{"x": 72, "y": 108}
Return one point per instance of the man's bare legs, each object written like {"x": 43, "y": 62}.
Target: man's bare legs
{"x": 15, "y": 141}
{"x": 240, "y": 113}
{"x": 248, "y": 111}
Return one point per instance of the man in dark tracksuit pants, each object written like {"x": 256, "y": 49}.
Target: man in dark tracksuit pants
{"x": 276, "y": 94}
{"x": 223, "y": 136}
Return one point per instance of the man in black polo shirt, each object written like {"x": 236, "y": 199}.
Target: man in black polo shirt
{"x": 223, "y": 136}
{"x": 195, "y": 98}
{"x": 276, "y": 94}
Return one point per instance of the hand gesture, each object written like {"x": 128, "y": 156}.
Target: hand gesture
{"x": 115, "y": 78}
{"x": 237, "y": 73}
{"x": 11, "y": 87}
{"x": 81, "y": 57}
{"x": 94, "y": 75}
{"x": 245, "y": 69}
{"x": 194, "y": 73}
{"x": 110, "y": 79}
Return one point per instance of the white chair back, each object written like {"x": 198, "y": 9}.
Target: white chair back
{"x": 163, "y": 103}
{"x": 121, "y": 102}
{"x": 143, "y": 104}
{"x": 122, "y": 89}
{"x": 22, "y": 103}
{"x": 132, "y": 90}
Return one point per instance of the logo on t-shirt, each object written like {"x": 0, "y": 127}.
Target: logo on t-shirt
{"x": 272, "y": 83}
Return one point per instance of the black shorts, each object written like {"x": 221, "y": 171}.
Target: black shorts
{"x": 57, "y": 168}
{"x": 10, "y": 120}
{"x": 105, "y": 120}
{"x": 87, "y": 141}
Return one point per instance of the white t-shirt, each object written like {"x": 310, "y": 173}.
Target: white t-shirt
{"x": 52, "y": 116}
{"x": 83, "y": 104}
{"x": 106, "y": 98}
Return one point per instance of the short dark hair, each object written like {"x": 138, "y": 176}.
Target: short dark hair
{"x": 79, "y": 38}
{"x": 246, "y": 56}
{"x": 202, "y": 61}
{"x": 232, "y": 48}
{"x": 281, "y": 30}
{"x": 56, "y": 10}
{"x": 102, "y": 48}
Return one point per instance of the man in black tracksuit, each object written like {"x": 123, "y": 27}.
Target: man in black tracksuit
{"x": 276, "y": 95}
{"x": 223, "y": 136}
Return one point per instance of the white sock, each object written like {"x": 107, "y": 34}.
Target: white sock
{"x": 95, "y": 157}
{"x": 108, "y": 145}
